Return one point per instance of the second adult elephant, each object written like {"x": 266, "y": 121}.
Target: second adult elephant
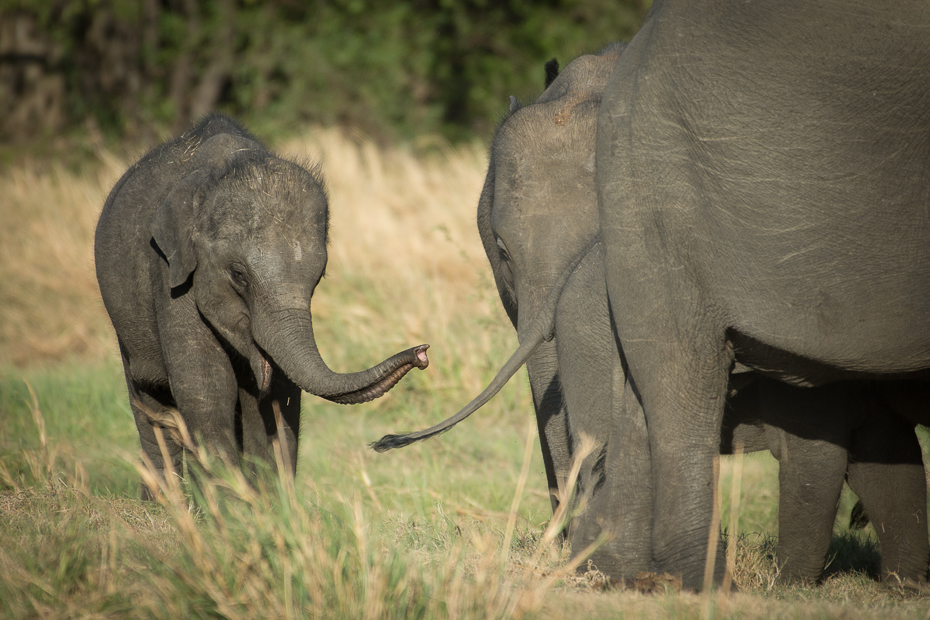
{"x": 537, "y": 213}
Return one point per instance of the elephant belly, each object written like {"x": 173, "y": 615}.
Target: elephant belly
{"x": 807, "y": 366}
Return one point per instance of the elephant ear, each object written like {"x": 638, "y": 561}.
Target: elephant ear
{"x": 552, "y": 71}
{"x": 172, "y": 228}
{"x": 485, "y": 204}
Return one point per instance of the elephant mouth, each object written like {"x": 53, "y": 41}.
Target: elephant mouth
{"x": 262, "y": 368}
{"x": 266, "y": 375}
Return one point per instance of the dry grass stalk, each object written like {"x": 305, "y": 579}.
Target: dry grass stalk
{"x": 732, "y": 532}
{"x": 539, "y": 582}
{"x": 170, "y": 421}
{"x": 518, "y": 494}
{"x": 713, "y": 537}
{"x": 281, "y": 453}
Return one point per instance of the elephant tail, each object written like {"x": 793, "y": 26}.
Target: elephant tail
{"x": 523, "y": 352}
{"x": 540, "y": 331}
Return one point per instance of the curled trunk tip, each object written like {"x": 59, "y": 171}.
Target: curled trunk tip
{"x": 408, "y": 360}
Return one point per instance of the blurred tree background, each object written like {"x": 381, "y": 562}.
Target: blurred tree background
{"x": 393, "y": 69}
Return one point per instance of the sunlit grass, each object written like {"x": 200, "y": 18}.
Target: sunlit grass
{"x": 419, "y": 532}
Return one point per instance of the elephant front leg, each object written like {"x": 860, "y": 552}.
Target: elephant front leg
{"x": 152, "y": 409}
{"x": 678, "y": 360}
{"x": 205, "y": 391}
{"x": 681, "y": 387}
{"x": 160, "y": 435}
{"x": 551, "y": 415}
{"x": 266, "y": 435}
{"x": 592, "y": 379}
{"x": 621, "y": 506}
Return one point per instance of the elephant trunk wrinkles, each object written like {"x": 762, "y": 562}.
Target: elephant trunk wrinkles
{"x": 551, "y": 417}
{"x": 548, "y": 398}
{"x": 292, "y": 346}
{"x": 544, "y": 379}
{"x": 540, "y": 329}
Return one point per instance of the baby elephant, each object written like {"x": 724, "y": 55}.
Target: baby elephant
{"x": 208, "y": 251}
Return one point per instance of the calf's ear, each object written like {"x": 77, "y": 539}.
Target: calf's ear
{"x": 552, "y": 71}
{"x": 172, "y": 228}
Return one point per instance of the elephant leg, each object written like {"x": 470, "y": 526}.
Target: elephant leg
{"x": 683, "y": 404}
{"x": 553, "y": 437}
{"x": 886, "y": 471}
{"x": 287, "y": 395}
{"x": 808, "y": 432}
{"x": 257, "y": 426}
{"x": 621, "y": 503}
{"x": 150, "y": 408}
{"x": 588, "y": 360}
{"x": 810, "y": 480}
{"x": 204, "y": 387}
{"x": 151, "y": 411}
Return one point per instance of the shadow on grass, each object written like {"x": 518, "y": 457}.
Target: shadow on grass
{"x": 853, "y": 552}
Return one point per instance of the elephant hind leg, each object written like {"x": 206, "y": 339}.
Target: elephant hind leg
{"x": 810, "y": 477}
{"x": 807, "y": 431}
{"x": 887, "y": 473}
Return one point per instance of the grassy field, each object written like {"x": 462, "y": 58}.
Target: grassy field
{"x": 455, "y": 527}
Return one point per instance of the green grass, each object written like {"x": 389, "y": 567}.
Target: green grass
{"x": 363, "y": 535}
{"x": 415, "y": 533}
{"x": 82, "y": 412}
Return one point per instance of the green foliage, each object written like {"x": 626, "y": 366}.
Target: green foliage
{"x": 88, "y": 405}
{"x": 393, "y": 69}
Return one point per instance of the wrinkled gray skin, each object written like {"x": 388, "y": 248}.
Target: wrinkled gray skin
{"x": 537, "y": 211}
{"x": 762, "y": 179}
{"x": 535, "y": 194}
{"x": 208, "y": 251}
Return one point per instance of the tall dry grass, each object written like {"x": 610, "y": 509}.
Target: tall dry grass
{"x": 49, "y": 304}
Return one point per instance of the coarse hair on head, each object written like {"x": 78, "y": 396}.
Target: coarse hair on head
{"x": 278, "y": 187}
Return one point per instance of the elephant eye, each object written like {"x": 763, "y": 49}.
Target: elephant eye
{"x": 506, "y": 264}
{"x": 237, "y": 275}
{"x": 505, "y": 255}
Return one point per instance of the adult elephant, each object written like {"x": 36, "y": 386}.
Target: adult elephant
{"x": 536, "y": 215}
{"x": 762, "y": 176}
{"x": 208, "y": 251}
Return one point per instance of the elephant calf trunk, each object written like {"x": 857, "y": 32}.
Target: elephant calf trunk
{"x": 417, "y": 359}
